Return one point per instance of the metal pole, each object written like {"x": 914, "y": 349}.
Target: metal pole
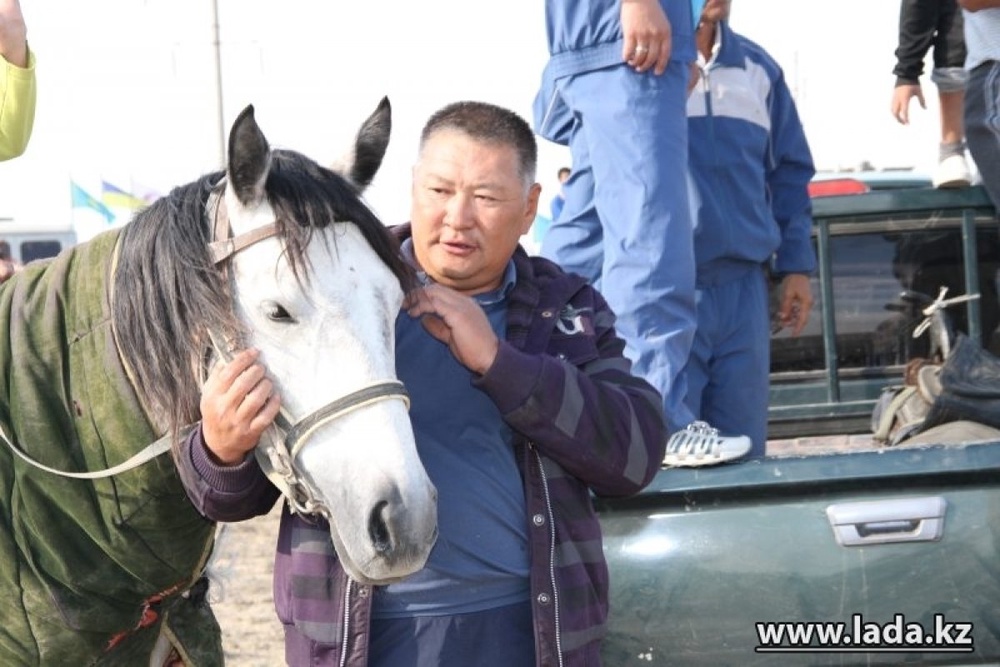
{"x": 217, "y": 64}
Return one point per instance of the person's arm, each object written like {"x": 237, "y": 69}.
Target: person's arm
{"x": 588, "y": 412}
{"x": 788, "y": 173}
{"x": 17, "y": 82}
{"x": 223, "y": 492}
{"x": 215, "y": 462}
{"x": 916, "y": 34}
{"x": 976, "y": 5}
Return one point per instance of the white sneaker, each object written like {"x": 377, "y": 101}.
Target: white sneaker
{"x": 701, "y": 445}
{"x": 952, "y": 172}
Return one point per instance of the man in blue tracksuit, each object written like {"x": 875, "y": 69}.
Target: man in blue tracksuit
{"x": 750, "y": 166}
{"x": 614, "y": 92}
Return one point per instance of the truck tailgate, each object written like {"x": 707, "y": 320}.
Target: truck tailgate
{"x": 703, "y": 556}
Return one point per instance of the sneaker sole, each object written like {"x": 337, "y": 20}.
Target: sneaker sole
{"x": 692, "y": 462}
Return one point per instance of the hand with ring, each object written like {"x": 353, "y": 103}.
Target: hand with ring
{"x": 647, "y": 35}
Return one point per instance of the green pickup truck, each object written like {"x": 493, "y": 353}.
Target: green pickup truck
{"x": 832, "y": 550}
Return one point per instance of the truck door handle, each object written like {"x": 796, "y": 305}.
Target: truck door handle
{"x": 886, "y": 521}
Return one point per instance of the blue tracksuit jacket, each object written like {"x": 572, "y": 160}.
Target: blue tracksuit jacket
{"x": 750, "y": 166}
{"x": 750, "y": 163}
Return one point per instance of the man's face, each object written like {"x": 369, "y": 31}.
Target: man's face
{"x": 470, "y": 207}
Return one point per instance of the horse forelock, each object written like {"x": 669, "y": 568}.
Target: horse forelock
{"x": 306, "y": 196}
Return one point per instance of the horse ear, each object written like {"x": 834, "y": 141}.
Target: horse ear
{"x": 361, "y": 163}
{"x": 249, "y": 158}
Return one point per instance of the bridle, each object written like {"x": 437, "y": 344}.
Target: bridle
{"x": 278, "y": 449}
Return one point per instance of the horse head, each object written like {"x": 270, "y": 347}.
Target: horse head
{"x": 310, "y": 277}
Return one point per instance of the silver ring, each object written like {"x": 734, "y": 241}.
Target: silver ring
{"x": 642, "y": 48}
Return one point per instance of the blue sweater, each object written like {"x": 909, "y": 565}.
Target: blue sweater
{"x": 750, "y": 165}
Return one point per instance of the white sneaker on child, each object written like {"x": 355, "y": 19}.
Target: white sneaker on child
{"x": 701, "y": 445}
{"x": 952, "y": 172}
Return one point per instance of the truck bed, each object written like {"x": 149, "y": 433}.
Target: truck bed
{"x": 703, "y": 555}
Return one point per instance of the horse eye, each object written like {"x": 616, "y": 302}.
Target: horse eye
{"x": 275, "y": 312}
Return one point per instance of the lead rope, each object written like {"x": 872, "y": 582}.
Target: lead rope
{"x": 149, "y": 453}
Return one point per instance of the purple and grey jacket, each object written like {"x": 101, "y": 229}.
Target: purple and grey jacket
{"x": 583, "y": 424}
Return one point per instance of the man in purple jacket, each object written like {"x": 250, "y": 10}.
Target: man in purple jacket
{"x": 523, "y": 405}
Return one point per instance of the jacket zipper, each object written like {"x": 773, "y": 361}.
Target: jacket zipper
{"x": 347, "y": 623}
{"x": 552, "y": 551}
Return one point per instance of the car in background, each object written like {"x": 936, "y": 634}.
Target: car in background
{"x": 835, "y": 183}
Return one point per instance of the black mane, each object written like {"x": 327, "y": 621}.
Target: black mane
{"x": 167, "y": 292}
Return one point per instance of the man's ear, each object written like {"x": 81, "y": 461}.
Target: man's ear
{"x": 531, "y": 207}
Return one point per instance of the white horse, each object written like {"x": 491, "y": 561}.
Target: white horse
{"x": 278, "y": 253}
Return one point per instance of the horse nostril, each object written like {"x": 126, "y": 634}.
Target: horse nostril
{"x": 378, "y": 531}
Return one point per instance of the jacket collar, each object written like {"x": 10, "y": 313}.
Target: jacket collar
{"x": 730, "y": 52}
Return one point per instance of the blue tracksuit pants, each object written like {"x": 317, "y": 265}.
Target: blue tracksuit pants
{"x": 626, "y": 224}
{"x": 727, "y": 373}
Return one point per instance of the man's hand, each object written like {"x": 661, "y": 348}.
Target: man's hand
{"x": 901, "y": 97}
{"x": 796, "y": 302}
{"x": 237, "y": 403}
{"x": 457, "y": 321}
{"x": 647, "y": 33}
{"x": 13, "y": 34}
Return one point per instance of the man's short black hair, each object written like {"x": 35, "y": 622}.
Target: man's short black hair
{"x": 491, "y": 124}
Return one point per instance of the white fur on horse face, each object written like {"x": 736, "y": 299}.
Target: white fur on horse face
{"x": 340, "y": 336}
{"x": 346, "y": 306}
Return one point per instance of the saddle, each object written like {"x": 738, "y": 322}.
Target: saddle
{"x": 965, "y": 388}
{"x": 901, "y": 410}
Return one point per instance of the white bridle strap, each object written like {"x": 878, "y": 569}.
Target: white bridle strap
{"x": 276, "y": 456}
{"x": 373, "y": 393}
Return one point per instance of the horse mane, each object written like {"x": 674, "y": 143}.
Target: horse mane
{"x": 167, "y": 292}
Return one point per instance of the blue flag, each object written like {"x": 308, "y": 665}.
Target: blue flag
{"x": 83, "y": 199}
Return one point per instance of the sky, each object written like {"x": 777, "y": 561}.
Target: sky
{"x": 128, "y": 89}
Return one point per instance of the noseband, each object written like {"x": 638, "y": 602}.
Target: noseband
{"x": 286, "y": 438}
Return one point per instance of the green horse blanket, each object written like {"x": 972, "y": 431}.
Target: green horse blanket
{"x": 92, "y": 572}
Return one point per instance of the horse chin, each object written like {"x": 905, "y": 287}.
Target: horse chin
{"x": 376, "y": 570}
{"x": 360, "y": 578}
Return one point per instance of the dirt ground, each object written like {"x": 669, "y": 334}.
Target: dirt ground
{"x": 241, "y": 592}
